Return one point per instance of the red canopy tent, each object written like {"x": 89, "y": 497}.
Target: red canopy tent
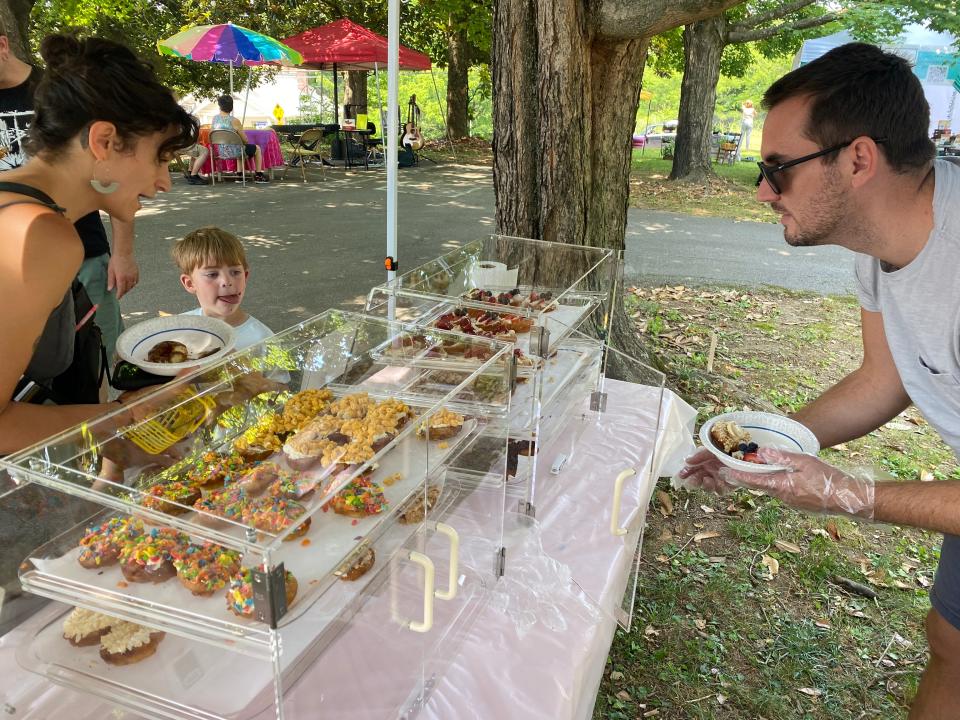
{"x": 344, "y": 45}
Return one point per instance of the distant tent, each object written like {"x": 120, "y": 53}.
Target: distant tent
{"x": 344, "y": 45}
{"x": 932, "y": 54}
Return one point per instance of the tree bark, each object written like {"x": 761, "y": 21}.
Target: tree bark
{"x": 15, "y": 17}
{"x": 355, "y": 92}
{"x": 565, "y": 99}
{"x": 703, "y": 44}
{"x": 458, "y": 95}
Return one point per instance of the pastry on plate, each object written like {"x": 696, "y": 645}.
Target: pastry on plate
{"x": 168, "y": 351}
{"x": 359, "y": 498}
{"x": 150, "y": 558}
{"x": 418, "y": 507}
{"x": 102, "y": 544}
{"x": 173, "y": 498}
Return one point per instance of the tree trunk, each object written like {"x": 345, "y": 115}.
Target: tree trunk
{"x": 458, "y": 96}
{"x": 355, "y": 92}
{"x": 15, "y": 17}
{"x": 563, "y": 122}
{"x": 703, "y": 44}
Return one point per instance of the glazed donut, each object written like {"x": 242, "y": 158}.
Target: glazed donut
{"x": 204, "y": 569}
{"x": 240, "y": 592}
{"x": 256, "y": 481}
{"x": 150, "y": 558}
{"x": 102, "y": 544}
{"x": 175, "y": 498}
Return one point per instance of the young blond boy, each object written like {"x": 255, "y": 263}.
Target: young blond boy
{"x": 213, "y": 266}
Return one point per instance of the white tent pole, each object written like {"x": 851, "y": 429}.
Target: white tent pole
{"x": 393, "y": 100}
{"x": 246, "y": 99}
{"x": 376, "y": 75}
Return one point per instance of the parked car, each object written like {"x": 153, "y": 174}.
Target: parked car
{"x": 656, "y": 133}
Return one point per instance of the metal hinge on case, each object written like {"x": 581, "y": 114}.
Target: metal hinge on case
{"x": 539, "y": 341}
{"x": 270, "y": 594}
{"x": 526, "y": 508}
{"x": 513, "y": 371}
{"x": 500, "y": 562}
{"x": 598, "y": 401}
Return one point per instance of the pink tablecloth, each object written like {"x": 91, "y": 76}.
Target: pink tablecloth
{"x": 266, "y": 139}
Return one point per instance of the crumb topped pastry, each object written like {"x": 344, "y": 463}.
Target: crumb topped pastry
{"x": 102, "y": 544}
{"x": 175, "y": 498}
{"x": 728, "y": 435}
{"x": 356, "y": 566}
{"x": 128, "y": 643}
{"x": 418, "y": 507}
{"x": 150, "y": 558}
{"x": 240, "y": 592}
{"x": 360, "y": 498}
{"x": 443, "y": 424}
{"x": 85, "y": 627}
{"x": 204, "y": 569}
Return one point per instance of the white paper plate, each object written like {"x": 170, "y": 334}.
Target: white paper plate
{"x": 766, "y": 430}
{"x": 198, "y": 332}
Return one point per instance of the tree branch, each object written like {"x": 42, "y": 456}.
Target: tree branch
{"x": 626, "y": 19}
{"x": 776, "y": 13}
{"x": 768, "y": 32}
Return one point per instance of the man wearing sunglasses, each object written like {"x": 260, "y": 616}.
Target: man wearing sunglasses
{"x": 847, "y": 161}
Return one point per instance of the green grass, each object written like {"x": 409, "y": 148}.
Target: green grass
{"x": 731, "y": 194}
{"x": 715, "y": 634}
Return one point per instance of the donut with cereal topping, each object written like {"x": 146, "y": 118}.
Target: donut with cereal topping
{"x": 204, "y": 569}
{"x": 274, "y": 515}
{"x": 174, "y": 498}
{"x": 240, "y": 592}
{"x": 359, "y": 498}
{"x": 218, "y": 470}
{"x": 102, "y": 544}
{"x": 150, "y": 558}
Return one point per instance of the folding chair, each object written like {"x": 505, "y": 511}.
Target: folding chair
{"x": 227, "y": 138}
{"x": 729, "y": 148}
{"x": 309, "y": 145}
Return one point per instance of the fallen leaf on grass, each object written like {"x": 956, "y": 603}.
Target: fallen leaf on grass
{"x": 650, "y": 631}
{"x": 651, "y": 713}
{"x": 707, "y": 509}
{"x": 822, "y": 624}
{"x": 832, "y": 529}
{"x": 700, "y": 623}
{"x": 666, "y": 503}
{"x": 706, "y": 535}
{"x": 772, "y": 565}
{"x": 926, "y": 475}
{"x": 821, "y": 532}
{"x": 624, "y": 695}
{"x": 662, "y": 559}
{"x": 665, "y": 535}
{"x": 812, "y": 692}
{"x": 721, "y": 699}
{"x": 787, "y": 546}
{"x": 616, "y": 675}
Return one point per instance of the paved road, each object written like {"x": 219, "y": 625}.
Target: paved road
{"x": 321, "y": 244}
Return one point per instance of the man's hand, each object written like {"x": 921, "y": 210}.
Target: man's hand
{"x": 122, "y": 273}
{"x": 702, "y": 470}
{"x": 808, "y": 484}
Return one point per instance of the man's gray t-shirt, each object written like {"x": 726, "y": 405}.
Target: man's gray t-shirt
{"x": 920, "y": 304}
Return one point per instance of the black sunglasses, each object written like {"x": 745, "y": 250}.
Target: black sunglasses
{"x": 768, "y": 172}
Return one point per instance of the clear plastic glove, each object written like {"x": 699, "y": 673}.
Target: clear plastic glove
{"x": 702, "y": 471}
{"x": 809, "y": 484}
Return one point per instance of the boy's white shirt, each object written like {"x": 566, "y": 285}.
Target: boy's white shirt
{"x": 250, "y": 332}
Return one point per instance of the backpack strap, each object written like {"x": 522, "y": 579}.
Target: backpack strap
{"x": 38, "y": 195}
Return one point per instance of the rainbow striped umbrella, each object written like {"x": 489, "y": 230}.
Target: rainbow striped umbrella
{"x": 229, "y": 44}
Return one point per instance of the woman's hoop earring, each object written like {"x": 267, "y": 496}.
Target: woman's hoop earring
{"x": 99, "y": 186}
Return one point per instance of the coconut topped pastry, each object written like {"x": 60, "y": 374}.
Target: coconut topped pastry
{"x": 735, "y": 441}
{"x": 85, "y": 627}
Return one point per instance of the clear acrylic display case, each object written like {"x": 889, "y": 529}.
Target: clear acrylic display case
{"x": 559, "y": 338}
{"x": 540, "y": 291}
{"x": 323, "y": 448}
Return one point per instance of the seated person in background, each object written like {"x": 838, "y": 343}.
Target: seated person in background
{"x": 224, "y": 120}
{"x": 199, "y": 153}
{"x": 213, "y": 266}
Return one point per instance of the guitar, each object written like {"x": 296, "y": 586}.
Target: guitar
{"x": 411, "y": 133}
